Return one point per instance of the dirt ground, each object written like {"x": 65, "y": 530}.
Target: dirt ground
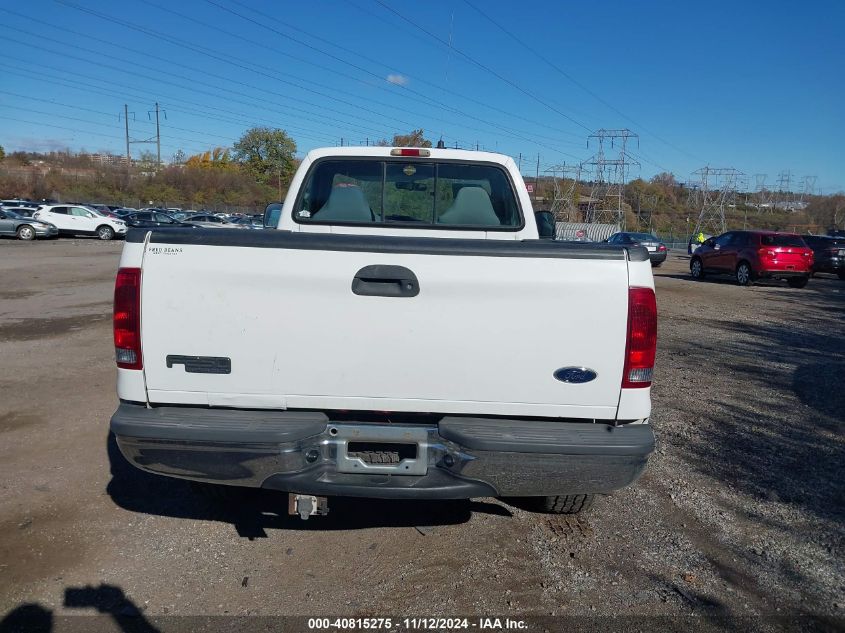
{"x": 739, "y": 514}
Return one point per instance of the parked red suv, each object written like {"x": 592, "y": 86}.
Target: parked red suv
{"x": 750, "y": 255}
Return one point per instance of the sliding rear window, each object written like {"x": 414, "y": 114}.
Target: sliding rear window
{"x": 414, "y": 194}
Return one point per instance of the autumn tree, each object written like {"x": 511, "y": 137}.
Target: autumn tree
{"x": 415, "y": 139}
{"x": 2, "y": 153}
{"x": 217, "y": 158}
{"x": 267, "y": 154}
{"x": 666, "y": 179}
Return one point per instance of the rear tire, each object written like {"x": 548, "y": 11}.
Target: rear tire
{"x": 696, "y": 268}
{"x": 567, "y": 504}
{"x": 26, "y": 233}
{"x": 744, "y": 274}
{"x": 105, "y": 233}
{"x": 797, "y": 282}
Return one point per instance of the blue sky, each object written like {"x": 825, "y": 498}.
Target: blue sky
{"x": 753, "y": 85}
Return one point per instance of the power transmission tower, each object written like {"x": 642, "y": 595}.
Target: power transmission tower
{"x": 808, "y": 187}
{"x": 782, "y": 199}
{"x": 760, "y": 191}
{"x": 610, "y": 175}
{"x": 718, "y": 186}
{"x": 565, "y": 201}
{"x": 153, "y": 139}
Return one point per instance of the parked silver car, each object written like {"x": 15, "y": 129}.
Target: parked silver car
{"x": 209, "y": 221}
{"x": 25, "y": 228}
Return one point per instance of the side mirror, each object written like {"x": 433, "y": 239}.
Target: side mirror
{"x": 272, "y": 214}
{"x": 545, "y": 224}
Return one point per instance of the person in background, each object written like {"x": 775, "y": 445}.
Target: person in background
{"x": 696, "y": 241}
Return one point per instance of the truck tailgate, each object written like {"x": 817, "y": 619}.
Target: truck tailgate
{"x": 483, "y": 332}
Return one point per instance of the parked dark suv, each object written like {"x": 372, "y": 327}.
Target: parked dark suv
{"x": 828, "y": 254}
{"x": 750, "y": 255}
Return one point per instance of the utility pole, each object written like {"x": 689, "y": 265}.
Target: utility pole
{"x": 126, "y": 118}
{"x": 158, "y": 141}
{"x": 537, "y": 178}
{"x": 157, "y": 111}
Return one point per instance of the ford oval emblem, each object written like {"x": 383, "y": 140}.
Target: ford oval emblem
{"x": 575, "y": 375}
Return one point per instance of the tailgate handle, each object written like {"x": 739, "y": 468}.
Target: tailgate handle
{"x": 385, "y": 281}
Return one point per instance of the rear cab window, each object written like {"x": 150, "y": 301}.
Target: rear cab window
{"x": 414, "y": 194}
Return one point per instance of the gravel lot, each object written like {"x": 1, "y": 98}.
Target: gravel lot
{"x": 740, "y": 512}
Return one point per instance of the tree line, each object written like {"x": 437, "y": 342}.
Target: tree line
{"x": 254, "y": 171}
{"x": 257, "y": 169}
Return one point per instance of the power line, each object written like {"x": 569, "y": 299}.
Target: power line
{"x": 183, "y": 78}
{"x": 563, "y": 73}
{"x": 228, "y": 60}
{"x": 88, "y": 88}
{"x": 519, "y": 134}
{"x": 60, "y": 127}
{"x": 182, "y": 84}
{"x": 405, "y": 88}
{"x": 108, "y": 125}
{"x": 485, "y": 67}
{"x": 75, "y": 107}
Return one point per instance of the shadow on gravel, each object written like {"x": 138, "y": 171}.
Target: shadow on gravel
{"x": 727, "y": 280}
{"x": 253, "y": 511}
{"x": 115, "y": 611}
{"x": 780, "y": 436}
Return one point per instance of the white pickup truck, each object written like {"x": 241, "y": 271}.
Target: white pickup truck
{"x": 400, "y": 330}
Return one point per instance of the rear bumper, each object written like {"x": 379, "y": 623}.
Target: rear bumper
{"x": 657, "y": 257}
{"x": 782, "y": 274}
{"x": 45, "y": 231}
{"x": 458, "y": 458}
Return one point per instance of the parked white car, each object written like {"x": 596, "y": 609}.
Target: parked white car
{"x": 79, "y": 220}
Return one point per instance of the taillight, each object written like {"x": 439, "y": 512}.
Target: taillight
{"x": 662, "y": 247}
{"x": 641, "y": 345}
{"x": 127, "y": 318}
{"x": 766, "y": 252}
